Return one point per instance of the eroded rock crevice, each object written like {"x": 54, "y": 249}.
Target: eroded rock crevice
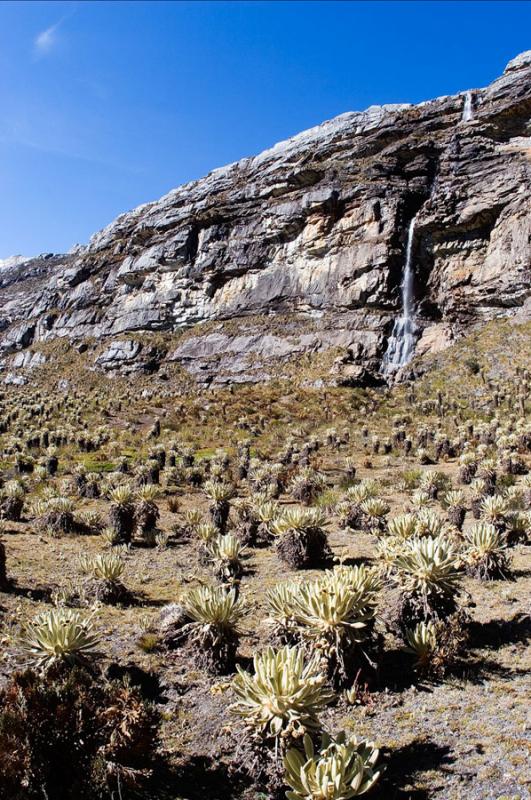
{"x": 314, "y": 228}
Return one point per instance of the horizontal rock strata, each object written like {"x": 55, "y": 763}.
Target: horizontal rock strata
{"x": 314, "y": 228}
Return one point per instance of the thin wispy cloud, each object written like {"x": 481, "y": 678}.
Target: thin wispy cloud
{"x": 47, "y": 40}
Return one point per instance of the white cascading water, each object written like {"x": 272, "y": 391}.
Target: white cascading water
{"x": 402, "y": 340}
{"x": 468, "y": 108}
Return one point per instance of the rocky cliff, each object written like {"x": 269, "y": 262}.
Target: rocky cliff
{"x": 310, "y": 233}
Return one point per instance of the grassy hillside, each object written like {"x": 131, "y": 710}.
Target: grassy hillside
{"x": 449, "y": 719}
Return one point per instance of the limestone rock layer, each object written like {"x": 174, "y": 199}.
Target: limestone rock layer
{"x": 313, "y": 228}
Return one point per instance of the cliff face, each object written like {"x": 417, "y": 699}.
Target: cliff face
{"x": 314, "y": 228}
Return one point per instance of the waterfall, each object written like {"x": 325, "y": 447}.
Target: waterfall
{"x": 402, "y": 340}
{"x": 468, "y": 107}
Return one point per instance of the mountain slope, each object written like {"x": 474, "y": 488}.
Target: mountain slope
{"x": 312, "y": 231}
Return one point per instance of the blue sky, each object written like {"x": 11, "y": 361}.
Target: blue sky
{"x": 107, "y": 105}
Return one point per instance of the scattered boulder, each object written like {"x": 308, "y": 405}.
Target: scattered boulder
{"x": 119, "y": 353}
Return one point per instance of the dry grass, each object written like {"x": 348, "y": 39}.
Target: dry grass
{"x": 465, "y": 736}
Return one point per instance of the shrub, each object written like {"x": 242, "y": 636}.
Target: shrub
{"x": 69, "y": 734}
{"x": 106, "y": 566}
{"x": 226, "y": 552}
{"x": 59, "y": 635}
{"x": 146, "y": 510}
{"x": 437, "y": 645}
{"x": 280, "y": 600}
{"x": 454, "y": 502}
{"x": 122, "y": 513}
{"x": 220, "y": 495}
{"x": 285, "y": 695}
{"x": 173, "y": 504}
{"x": 430, "y": 524}
{"x": 486, "y": 552}
{"x": 301, "y": 540}
{"x": 213, "y": 615}
{"x": 494, "y": 511}
{"x": 472, "y": 365}
{"x": 106, "y": 569}
{"x": 432, "y": 482}
{"x": 57, "y": 515}
{"x": 409, "y": 480}
{"x": 404, "y": 526}
{"x": 206, "y": 532}
{"x": 12, "y": 501}
{"x": 307, "y": 485}
{"x": 342, "y": 768}
{"x": 374, "y": 511}
{"x": 422, "y": 643}
{"x": 332, "y": 615}
{"x": 427, "y": 572}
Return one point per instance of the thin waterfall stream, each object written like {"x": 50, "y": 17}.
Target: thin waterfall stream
{"x": 468, "y": 107}
{"x": 401, "y": 343}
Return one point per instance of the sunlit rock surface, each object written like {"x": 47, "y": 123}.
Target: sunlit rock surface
{"x": 314, "y": 227}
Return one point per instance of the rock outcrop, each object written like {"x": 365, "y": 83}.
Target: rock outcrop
{"x": 313, "y": 228}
